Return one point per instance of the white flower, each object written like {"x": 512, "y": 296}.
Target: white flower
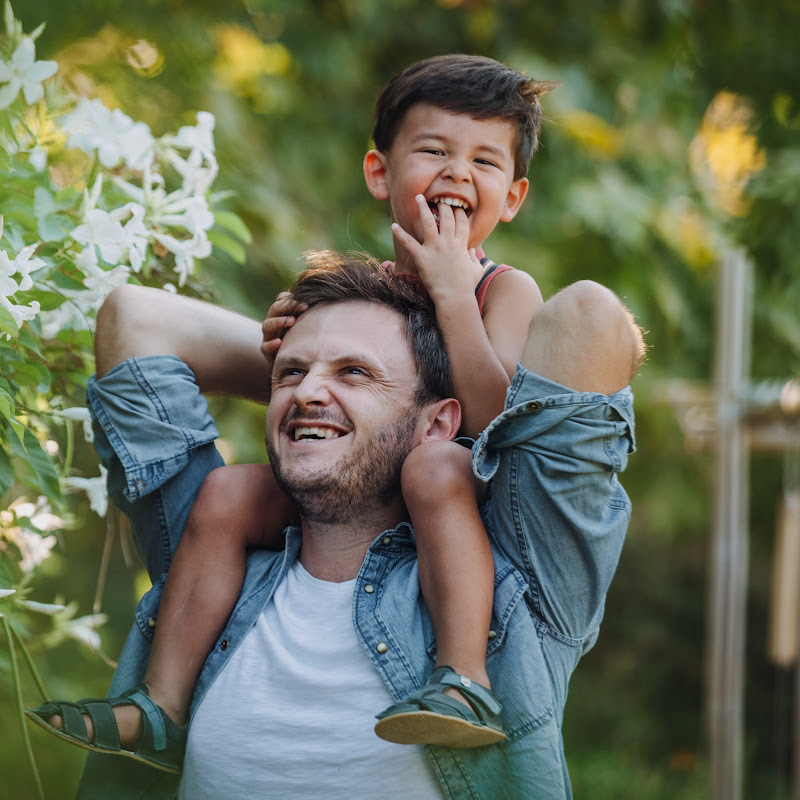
{"x": 78, "y": 414}
{"x": 199, "y": 137}
{"x": 38, "y": 158}
{"x": 6, "y": 592}
{"x": 191, "y": 213}
{"x": 39, "y": 514}
{"x": 103, "y": 232}
{"x": 185, "y": 252}
{"x": 116, "y": 138}
{"x": 21, "y": 266}
{"x": 101, "y": 282}
{"x": 51, "y": 609}
{"x": 24, "y": 72}
{"x": 83, "y": 629}
{"x": 33, "y": 547}
{"x": 95, "y": 488}
{"x": 136, "y": 236}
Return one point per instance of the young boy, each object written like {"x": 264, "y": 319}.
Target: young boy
{"x": 453, "y": 139}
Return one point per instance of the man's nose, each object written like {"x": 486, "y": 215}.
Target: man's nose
{"x": 312, "y": 390}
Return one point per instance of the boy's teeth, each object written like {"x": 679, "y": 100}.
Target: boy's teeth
{"x": 451, "y": 201}
{"x": 315, "y": 433}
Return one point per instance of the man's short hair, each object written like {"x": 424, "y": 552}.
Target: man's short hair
{"x": 334, "y": 277}
{"x": 479, "y": 87}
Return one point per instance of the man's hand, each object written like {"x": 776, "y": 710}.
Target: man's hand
{"x": 445, "y": 264}
{"x": 282, "y": 314}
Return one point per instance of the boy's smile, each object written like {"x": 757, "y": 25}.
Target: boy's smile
{"x": 450, "y": 159}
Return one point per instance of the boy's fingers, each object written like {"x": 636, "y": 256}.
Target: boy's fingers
{"x": 404, "y": 238}
{"x": 426, "y": 215}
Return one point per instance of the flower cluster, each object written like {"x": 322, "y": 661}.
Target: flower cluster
{"x": 89, "y": 199}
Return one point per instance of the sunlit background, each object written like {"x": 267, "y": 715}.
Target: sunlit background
{"x": 673, "y": 138}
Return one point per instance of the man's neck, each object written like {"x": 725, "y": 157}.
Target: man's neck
{"x": 335, "y": 552}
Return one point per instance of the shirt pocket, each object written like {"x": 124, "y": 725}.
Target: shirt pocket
{"x": 147, "y": 610}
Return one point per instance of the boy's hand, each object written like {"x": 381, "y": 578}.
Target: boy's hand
{"x": 445, "y": 264}
{"x": 282, "y": 314}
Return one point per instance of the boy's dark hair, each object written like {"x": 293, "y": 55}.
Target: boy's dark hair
{"x": 479, "y": 87}
{"x": 334, "y": 277}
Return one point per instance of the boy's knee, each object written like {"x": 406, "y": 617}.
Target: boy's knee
{"x": 435, "y": 468}
{"x": 585, "y": 338}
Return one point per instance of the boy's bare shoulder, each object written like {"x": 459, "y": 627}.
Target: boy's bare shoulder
{"x": 511, "y": 290}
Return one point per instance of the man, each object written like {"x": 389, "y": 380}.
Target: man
{"x": 335, "y": 623}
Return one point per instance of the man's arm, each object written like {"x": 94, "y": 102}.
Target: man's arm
{"x": 221, "y": 347}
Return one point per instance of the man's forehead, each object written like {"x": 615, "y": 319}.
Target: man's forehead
{"x": 371, "y": 328}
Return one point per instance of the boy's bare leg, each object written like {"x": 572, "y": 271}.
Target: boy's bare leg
{"x": 584, "y": 338}
{"x": 237, "y": 507}
{"x": 456, "y": 568}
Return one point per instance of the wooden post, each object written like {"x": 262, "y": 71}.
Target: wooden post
{"x": 729, "y": 556}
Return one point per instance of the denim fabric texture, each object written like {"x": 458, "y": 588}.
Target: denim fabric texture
{"x": 556, "y": 516}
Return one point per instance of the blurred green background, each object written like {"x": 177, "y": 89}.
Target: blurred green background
{"x": 674, "y": 134}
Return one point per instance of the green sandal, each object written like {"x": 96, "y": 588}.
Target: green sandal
{"x": 161, "y": 745}
{"x": 430, "y": 716}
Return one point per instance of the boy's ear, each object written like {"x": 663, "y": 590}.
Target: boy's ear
{"x": 375, "y": 174}
{"x": 439, "y": 421}
{"x": 516, "y": 194}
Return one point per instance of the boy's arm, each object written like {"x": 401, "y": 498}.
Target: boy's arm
{"x": 221, "y": 347}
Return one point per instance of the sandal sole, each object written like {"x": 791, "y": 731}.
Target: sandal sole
{"x": 427, "y": 727}
{"x": 89, "y": 746}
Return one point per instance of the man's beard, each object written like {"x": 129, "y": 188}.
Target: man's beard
{"x": 353, "y": 487}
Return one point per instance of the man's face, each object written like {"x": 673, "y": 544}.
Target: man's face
{"x": 342, "y": 417}
{"x": 455, "y": 159}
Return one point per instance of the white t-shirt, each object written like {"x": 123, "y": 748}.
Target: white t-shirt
{"x": 291, "y": 715}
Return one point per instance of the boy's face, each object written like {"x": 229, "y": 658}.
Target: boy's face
{"x": 451, "y": 158}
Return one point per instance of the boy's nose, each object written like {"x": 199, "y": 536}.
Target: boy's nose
{"x": 457, "y": 169}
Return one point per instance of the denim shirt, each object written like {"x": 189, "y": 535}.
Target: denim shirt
{"x": 556, "y": 517}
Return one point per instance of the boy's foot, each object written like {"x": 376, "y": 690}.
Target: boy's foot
{"x": 131, "y": 725}
{"x": 432, "y": 716}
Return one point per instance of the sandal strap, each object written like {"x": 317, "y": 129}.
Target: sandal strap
{"x": 152, "y": 719}
{"x": 72, "y": 720}
{"x": 474, "y": 692}
{"x": 106, "y": 732}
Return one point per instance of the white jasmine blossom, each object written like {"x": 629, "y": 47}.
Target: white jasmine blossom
{"x": 113, "y": 135}
{"x": 21, "y": 267}
{"x": 78, "y": 414}
{"x": 83, "y": 629}
{"x": 95, "y": 489}
{"x": 24, "y": 72}
{"x": 38, "y": 158}
{"x": 185, "y": 252}
{"x": 7, "y": 592}
{"x": 102, "y": 231}
{"x": 51, "y": 609}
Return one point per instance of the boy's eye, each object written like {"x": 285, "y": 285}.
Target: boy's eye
{"x": 485, "y": 162}
{"x": 434, "y": 151}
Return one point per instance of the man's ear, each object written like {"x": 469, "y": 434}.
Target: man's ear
{"x": 516, "y": 194}
{"x": 439, "y": 421}
{"x": 375, "y": 174}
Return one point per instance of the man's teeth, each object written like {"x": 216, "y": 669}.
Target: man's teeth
{"x": 315, "y": 433}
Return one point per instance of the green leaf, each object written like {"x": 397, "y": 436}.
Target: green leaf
{"x": 7, "y": 323}
{"x": 6, "y": 472}
{"x": 32, "y": 374}
{"x": 228, "y": 245}
{"x": 233, "y": 223}
{"x": 41, "y": 464}
{"x": 7, "y": 405}
{"x": 19, "y": 429}
{"x": 55, "y": 228}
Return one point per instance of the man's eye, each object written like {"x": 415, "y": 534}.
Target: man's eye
{"x": 355, "y": 371}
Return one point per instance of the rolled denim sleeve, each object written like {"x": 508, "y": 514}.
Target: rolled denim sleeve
{"x": 557, "y": 508}
{"x": 155, "y": 435}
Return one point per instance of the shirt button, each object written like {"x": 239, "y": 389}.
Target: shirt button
{"x": 140, "y": 485}
{"x": 223, "y": 645}
{"x": 108, "y": 427}
{"x": 492, "y": 635}
{"x": 382, "y": 647}
{"x": 533, "y": 406}
{"x": 387, "y": 540}
{"x": 151, "y": 622}
{"x": 369, "y": 588}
